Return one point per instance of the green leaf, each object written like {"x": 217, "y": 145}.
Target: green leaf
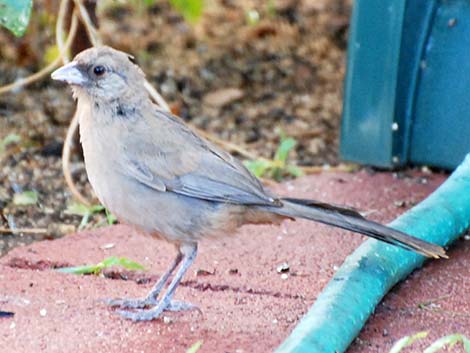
{"x": 50, "y": 54}
{"x": 190, "y": 9}
{"x": 277, "y": 172}
{"x": 195, "y": 347}
{"x": 129, "y": 264}
{"x": 111, "y": 219}
{"x": 149, "y": 3}
{"x": 449, "y": 340}
{"x": 79, "y": 209}
{"x": 120, "y": 261}
{"x": 466, "y": 344}
{"x": 106, "y": 263}
{"x": 407, "y": 341}
{"x": 271, "y": 8}
{"x": 25, "y": 198}
{"x": 15, "y": 14}
{"x": 81, "y": 270}
{"x": 284, "y": 148}
{"x": 294, "y": 171}
{"x": 8, "y": 140}
{"x": 258, "y": 167}
{"x": 109, "y": 261}
{"x": 277, "y": 167}
{"x": 252, "y": 17}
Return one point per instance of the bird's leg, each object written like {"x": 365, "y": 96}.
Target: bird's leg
{"x": 151, "y": 298}
{"x": 189, "y": 252}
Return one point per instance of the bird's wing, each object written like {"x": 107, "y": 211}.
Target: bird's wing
{"x": 168, "y": 156}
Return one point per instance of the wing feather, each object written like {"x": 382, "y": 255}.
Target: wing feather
{"x": 175, "y": 159}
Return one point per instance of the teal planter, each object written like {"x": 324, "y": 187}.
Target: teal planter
{"x": 406, "y": 98}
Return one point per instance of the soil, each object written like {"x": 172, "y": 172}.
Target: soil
{"x": 243, "y": 81}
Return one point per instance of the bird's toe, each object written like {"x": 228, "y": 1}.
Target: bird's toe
{"x": 156, "y": 311}
{"x": 126, "y": 303}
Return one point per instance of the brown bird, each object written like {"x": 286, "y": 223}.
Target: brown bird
{"x": 152, "y": 171}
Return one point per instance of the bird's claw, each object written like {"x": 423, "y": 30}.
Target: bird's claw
{"x": 155, "y": 312}
{"x": 126, "y": 303}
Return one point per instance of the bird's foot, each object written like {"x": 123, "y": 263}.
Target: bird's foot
{"x": 156, "y": 311}
{"x": 126, "y": 303}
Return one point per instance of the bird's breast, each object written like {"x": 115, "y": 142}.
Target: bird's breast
{"x": 101, "y": 151}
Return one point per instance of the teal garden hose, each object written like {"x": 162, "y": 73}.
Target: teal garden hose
{"x": 348, "y": 300}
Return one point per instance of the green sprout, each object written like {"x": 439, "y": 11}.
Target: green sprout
{"x": 8, "y": 140}
{"x": 79, "y": 209}
{"x": 278, "y": 167}
{"x": 252, "y": 17}
{"x": 449, "y": 341}
{"x": 25, "y": 198}
{"x": 195, "y": 347}
{"x": 407, "y": 341}
{"x": 190, "y": 9}
{"x": 96, "y": 269}
{"x": 437, "y": 346}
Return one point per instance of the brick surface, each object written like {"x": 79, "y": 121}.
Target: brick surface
{"x": 246, "y": 305}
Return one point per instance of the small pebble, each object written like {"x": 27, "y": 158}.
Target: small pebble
{"x": 167, "y": 320}
{"x": 284, "y": 276}
{"x": 399, "y": 204}
{"x": 284, "y": 267}
{"x": 425, "y": 169}
{"x": 43, "y": 312}
{"x": 108, "y": 246}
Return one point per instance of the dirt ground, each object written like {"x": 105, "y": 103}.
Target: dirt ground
{"x": 240, "y": 80}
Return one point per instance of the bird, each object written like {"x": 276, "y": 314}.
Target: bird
{"x": 152, "y": 171}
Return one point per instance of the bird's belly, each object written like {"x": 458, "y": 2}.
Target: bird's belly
{"x": 174, "y": 217}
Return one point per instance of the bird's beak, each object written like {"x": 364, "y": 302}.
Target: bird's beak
{"x": 70, "y": 73}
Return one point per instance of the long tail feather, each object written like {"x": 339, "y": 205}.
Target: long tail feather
{"x": 350, "y": 219}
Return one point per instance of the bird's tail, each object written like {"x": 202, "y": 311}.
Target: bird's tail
{"x": 351, "y": 220}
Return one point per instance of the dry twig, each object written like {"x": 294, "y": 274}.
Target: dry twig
{"x": 66, "y": 161}
{"x": 227, "y": 145}
{"x": 59, "y": 30}
{"x": 156, "y": 96}
{"x": 23, "y": 230}
{"x": 90, "y": 27}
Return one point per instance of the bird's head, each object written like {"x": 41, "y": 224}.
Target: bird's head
{"x": 102, "y": 74}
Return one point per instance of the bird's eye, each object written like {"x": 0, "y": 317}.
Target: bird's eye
{"x": 99, "y": 70}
